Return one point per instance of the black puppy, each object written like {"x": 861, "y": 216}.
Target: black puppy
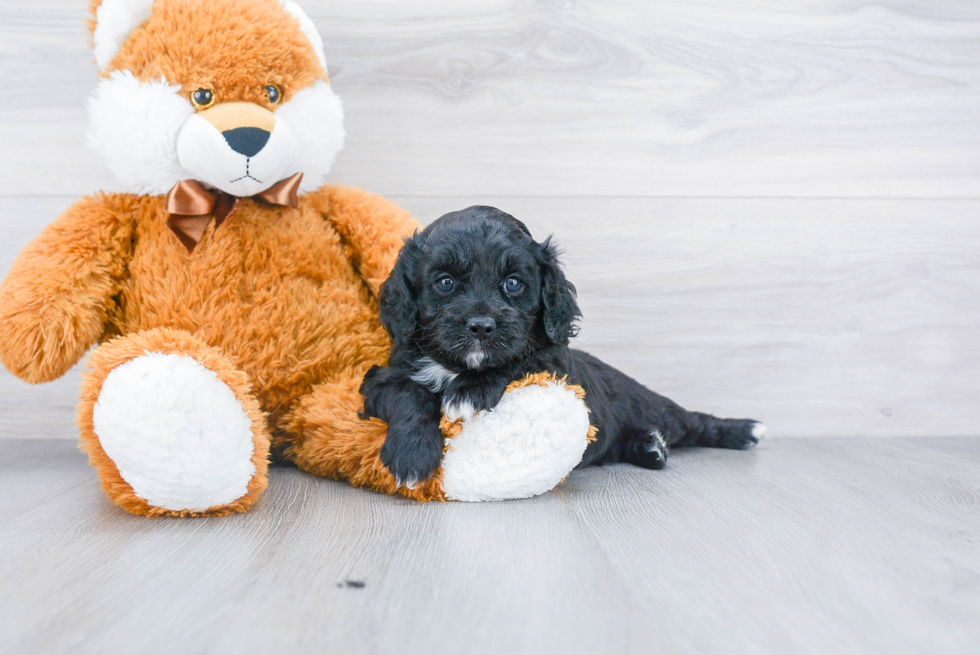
{"x": 474, "y": 303}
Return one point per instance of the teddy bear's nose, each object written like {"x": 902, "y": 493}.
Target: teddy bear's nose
{"x": 246, "y": 140}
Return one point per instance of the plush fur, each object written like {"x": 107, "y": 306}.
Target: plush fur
{"x": 134, "y": 126}
{"x": 280, "y": 303}
{"x": 500, "y": 455}
{"x": 196, "y": 458}
{"x": 141, "y": 116}
{"x": 127, "y": 473}
{"x": 474, "y": 303}
{"x": 253, "y": 344}
{"x": 115, "y": 20}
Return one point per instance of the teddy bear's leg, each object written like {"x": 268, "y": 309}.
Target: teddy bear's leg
{"x": 171, "y": 426}
{"x": 330, "y": 439}
{"x": 525, "y": 446}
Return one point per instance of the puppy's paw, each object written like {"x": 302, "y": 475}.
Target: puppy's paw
{"x": 742, "y": 434}
{"x": 458, "y": 408}
{"x": 650, "y": 451}
{"x": 412, "y": 451}
{"x": 468, "y": 394}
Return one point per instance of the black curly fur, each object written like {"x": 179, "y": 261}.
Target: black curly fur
{"x": 461, "y": 343}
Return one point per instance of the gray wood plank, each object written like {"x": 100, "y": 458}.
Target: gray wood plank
{"x": 626, "y": 97}
{"x": 802, "y": 546}
{"x": 821, "y": 317}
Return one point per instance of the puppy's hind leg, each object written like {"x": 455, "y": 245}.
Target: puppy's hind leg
{"x": 710, "y": 431}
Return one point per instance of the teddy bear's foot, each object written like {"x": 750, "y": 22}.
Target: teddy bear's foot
{"x": 171, "y": 426}
{"x": 523, "y": 447}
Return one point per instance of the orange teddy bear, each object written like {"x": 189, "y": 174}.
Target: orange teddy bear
{"x": 233, "y": 294}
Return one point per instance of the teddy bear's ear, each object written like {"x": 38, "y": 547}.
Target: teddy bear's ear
{"x": 308, "y": 28}
{"x": 110, "y": 24}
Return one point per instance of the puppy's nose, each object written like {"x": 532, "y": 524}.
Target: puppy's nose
{"x": 481, "y": 326}
{"x": 247, "y": 141}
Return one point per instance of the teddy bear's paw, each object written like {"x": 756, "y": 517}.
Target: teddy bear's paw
{"x": 178, "y": 434}
{"x": 523, "y": 447}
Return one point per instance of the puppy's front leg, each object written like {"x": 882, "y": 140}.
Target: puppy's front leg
{"x": 473, "y": 391}
{"x": 413, "y": 446}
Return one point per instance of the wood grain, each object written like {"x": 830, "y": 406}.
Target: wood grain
{"x": 820, "y": 317}
{"x": 802, "y": 546}
{"x": 854, "y": 98}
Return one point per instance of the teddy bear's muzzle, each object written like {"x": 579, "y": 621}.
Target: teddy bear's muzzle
{"x": 245, "y": 126}
{"x": 240, "y": 148}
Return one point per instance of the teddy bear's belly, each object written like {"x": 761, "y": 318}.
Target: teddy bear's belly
{"x": 301, "y": 316}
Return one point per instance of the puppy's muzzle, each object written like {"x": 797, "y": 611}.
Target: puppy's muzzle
{"x": 245, "y": 126}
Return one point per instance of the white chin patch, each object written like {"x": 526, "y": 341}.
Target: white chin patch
{"x": 317, "y": 118}
{"x": 134, "y": 125}
{"x": 475, "y": 357}
{"x": 205, "y": 154}
{"x": 177, "y": 434}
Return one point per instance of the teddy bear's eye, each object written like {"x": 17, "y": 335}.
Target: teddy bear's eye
{"x": 202, "y": 98}
{"x": 275, "y": 95}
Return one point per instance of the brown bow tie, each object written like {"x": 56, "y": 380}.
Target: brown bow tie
{"x": 191, "y": 206}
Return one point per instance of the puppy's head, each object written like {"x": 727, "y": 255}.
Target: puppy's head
{"x": 474, "y": 290}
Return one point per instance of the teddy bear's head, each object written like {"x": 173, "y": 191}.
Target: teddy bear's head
{"x": 232, "y": 93}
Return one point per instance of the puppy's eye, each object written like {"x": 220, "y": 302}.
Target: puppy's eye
{"x": 273, "y": 93}
{"x": 445, "y": 285}
{"x": 513, "y": 285}
{"x": 202, "y": 98}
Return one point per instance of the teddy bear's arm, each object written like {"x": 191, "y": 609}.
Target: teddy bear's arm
{"x": 372, "y": 228}
{"x": 56, "y": 298}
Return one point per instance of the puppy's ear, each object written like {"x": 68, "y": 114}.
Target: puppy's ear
{"x": 398, "y": 302}
{"x": 559, "y": 309}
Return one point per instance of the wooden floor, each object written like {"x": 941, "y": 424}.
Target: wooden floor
{"x": 802, "y": 546}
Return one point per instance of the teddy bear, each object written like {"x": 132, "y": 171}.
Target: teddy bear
{"x": 231, "y": 294}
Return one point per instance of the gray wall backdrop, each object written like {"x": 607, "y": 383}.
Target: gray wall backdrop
{"x": 770, "y": 209}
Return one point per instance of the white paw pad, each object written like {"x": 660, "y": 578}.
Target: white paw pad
{"x": 177, "y": 434}
{"x": 521, "y": 448}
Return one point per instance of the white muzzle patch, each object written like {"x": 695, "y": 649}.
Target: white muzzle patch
{"x": 209, "y": 157}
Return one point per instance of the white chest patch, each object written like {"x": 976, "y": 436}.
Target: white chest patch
{"x": 433, "y": 375}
